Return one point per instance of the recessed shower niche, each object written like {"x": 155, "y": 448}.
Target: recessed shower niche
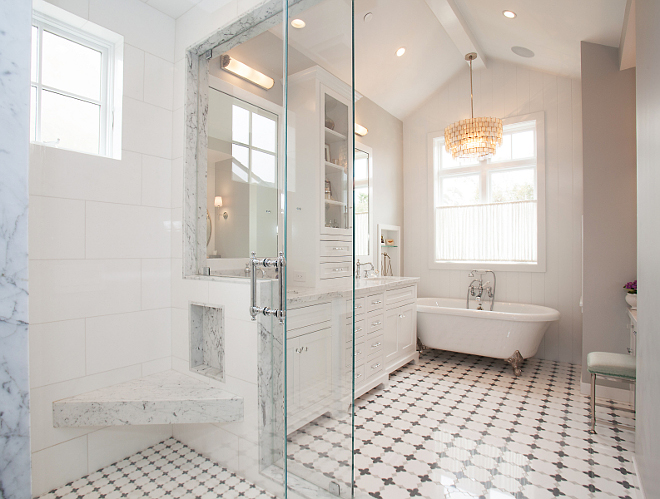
{"x": 207, "y": 340}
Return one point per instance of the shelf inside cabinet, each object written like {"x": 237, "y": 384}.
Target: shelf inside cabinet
{"x": 338, "y": 168}
{"x": 332, "y": 201}
{"x": 332, "y": 136}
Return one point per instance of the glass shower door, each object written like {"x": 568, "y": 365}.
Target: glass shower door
{"x": 319, "y": 334}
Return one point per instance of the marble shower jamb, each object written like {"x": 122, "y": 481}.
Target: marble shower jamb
{"x": 15, "y": 40}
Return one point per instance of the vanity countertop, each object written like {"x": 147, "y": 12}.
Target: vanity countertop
{"x": 363, "y": 287}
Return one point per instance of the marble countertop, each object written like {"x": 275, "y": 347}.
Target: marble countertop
{"x": 362, "y": 288}
{"x": 164, "y": 398}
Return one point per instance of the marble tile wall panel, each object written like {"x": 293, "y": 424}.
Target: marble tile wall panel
{"x": 207, "y": 340}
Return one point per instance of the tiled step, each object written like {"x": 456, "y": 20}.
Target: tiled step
{"x": 164, "y": 398}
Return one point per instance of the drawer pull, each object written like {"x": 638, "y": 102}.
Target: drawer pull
{"x": 629, "y": 350}
{"x": 358, "y": 330}
{"x": 376, "y": 366}
{"x": 339, "y": 270}
{"x": 359, "y": 352}
{"x": 375, "y": 345}
{"x": 376, "y": 323}
{"x": 358, "y": 306}
{"x": 358, "y": 375}
{"x": 376, "y": 302}
{"x": 340, "y": 248}
{"x": 402, "y": 316}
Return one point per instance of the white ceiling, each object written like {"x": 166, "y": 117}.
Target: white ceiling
{"x": 552, "y": 29}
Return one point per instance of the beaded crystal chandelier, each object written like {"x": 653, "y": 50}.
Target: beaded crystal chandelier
{"x": 473, "y": 137}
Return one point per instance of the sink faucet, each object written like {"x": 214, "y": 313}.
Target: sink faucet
{"x": 478, "y": 289}
{"x": 359, "y": 265}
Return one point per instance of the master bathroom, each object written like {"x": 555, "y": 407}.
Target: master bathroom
{"x": 328, "y": 248}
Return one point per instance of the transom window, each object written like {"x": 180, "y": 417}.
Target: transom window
{"x": 254, "y": 144}
{"x": 72, "y": 94}
{"x": 491, "y": 211}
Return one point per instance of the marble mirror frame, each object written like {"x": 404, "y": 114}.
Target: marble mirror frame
{"x": 263, "y": 17}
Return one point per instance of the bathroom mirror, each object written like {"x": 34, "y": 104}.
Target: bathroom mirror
{"x": 363, "y": 191}
{"x": 242, "y": 163}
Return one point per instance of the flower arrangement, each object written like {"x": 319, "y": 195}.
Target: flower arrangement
{"x": 631, "y": 287}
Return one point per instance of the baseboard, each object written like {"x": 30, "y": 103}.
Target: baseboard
{"x": 624, "y": 395}
{"x": 639, "y": 481}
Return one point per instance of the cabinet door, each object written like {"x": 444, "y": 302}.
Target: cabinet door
{"x": 315, "y": 374}
{"x": 406, "y": 329}
{"x": 390, "y": 341}
{"x": 292, "y": 372}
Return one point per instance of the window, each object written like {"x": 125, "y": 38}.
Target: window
{"x": 362, "y": 175}
{"x": 73, "y": 89}
{"x": 493, "y": 211}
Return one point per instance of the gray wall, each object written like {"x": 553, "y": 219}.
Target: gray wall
{"x": 15, "y": 19}
{"x": 647, "y": 438}
{"x": 610, "y": 199}
{"x": 385, "y": 137}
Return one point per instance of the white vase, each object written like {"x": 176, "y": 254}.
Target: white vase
{"x": 632, "y": 300}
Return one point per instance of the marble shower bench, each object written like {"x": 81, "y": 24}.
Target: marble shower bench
{"x": 165, "y": 398}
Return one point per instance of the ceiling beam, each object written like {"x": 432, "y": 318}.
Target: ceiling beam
{"x": 627, "y": 44}
{"x": 454, "y": 23}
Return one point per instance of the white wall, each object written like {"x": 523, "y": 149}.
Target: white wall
{"x": 100, "y": 259}
{"x": 610, "y": 199}
{"x": 505, "y": 90}
{"x": 647, "y": 437}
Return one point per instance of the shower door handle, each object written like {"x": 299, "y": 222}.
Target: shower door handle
{"x": 280, "y": 264}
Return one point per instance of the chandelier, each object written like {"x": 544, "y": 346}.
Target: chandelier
{"x": 473, "y": 137}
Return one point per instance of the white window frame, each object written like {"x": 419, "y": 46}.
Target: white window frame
{"x": 110, "y": 45}
{"x": 540, "y": 264}
{"x": 372, "y": 242}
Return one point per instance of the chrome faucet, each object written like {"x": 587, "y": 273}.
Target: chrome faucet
{"x": 359, "y": 265}
{"x": 478, "y": 289}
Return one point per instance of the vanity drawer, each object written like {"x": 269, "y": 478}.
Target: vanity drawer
{"x": 400, "y": 296}
{"x": 360, "y": 354}
{"x": 360, "y": 331}
{"x": 374, "y": 365}
{"x": 375, "y": 302}
{"x": 360, "y": 377}
{"x": 375, "y": 322}
{"x": 336, "y": 248}
{"x": 374, "y": 344}
{"x": 332, "y": 270}
{"x": 298, "y": 318}
{"x": 359, "y": 307}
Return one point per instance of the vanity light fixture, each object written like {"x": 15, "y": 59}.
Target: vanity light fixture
{"x": 298, "y": 23}
{"x": 218, "y": 201}
{"x": 509, "y": 14}
{"x": 473, "y": 137}
{"x": 401, "y": 51}
{"x": 245, "y": 72}
{"x": 360, "y": 130}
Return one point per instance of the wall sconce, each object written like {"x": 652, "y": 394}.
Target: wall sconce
{"x": 360, "y": 130}
{"x": 218, "y": 204}
{"x": 244, "y": 71}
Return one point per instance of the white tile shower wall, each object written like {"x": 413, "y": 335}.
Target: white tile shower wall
{"x": 505, "y": 90}
{"x": 101, "y": 255}
{"x": 232, "y": 445}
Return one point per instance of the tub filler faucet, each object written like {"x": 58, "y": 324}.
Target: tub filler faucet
{"x": 480, "y": 290}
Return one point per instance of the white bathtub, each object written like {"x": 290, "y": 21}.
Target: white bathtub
{"x": 445, "y": 324}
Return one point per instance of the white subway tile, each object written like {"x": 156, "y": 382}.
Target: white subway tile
{"x": 156, "y": 283}
{"x": 133, "y": 72}
{"x": 147, "y": 129}
{"x": 115, "y": 443}
{"x": 121, "y": 231}
{"x": 241, "y": 348}
{"x": 180, "y": 334}
{"x": 121, "y": 340}
{"x": 68, "y": 174}
{"x": 177, "y": 240}
{"x": 58, "y": 465}
{"x": 201, "y": 21}
{"x": 186, "y": 290}
{"x": 79, "y": 8}
{"x": 158, "y": 81}
{"x": 173, "y": 8}
{"x": 178, "y": 138}
{"x": 141, "y": 25}
{"x": 156, "y": 183}
{"x": 156, "y": 366}
{"x": 234, "y": 295}
{"x": 73, "y": 289}
{"x": 57, "y": 352}
{"x": 57, "y": 228}
{"x": 179, "y": 84}
{"x": 177, "y": 183}
{"x": 210, "y": 441}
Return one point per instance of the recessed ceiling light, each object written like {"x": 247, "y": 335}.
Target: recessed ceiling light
{"x": 509, "y": 14}
{"x": 298, "y": 23}
{"x": 368, "y": 17}
{"x": 401, "y": 51}
{"x": 522, "y": 51}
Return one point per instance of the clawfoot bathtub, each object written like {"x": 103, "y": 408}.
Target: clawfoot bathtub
{"x": 512, "y": 331}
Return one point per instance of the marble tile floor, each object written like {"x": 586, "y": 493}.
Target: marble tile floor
{"x": 168, "y": 469}
{"x": 460, "y": 426}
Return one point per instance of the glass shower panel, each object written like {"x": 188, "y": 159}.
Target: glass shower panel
{"x": 320, "y": 346}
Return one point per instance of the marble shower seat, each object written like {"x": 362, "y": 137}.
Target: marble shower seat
{"x": 164, "y": 398}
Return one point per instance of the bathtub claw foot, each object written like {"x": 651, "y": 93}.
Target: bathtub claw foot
{"x": 516, "y": 361}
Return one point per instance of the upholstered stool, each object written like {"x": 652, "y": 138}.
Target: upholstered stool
{"x": 614, "y": 366}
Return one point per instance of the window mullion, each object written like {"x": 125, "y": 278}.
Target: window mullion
{"x": 40, "y": 32}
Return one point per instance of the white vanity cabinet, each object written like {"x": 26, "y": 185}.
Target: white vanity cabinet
{"x": 320, "y": 164}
